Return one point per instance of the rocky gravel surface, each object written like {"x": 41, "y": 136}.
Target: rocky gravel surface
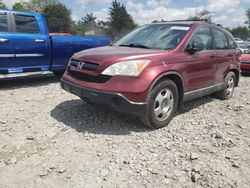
{"x": 50, "y": 138}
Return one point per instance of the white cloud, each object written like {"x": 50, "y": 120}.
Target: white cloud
{"x": 75, "y": 17}
{"x": 222, "y": 5}
{"x": 85, "y": 3}
{"x": 157, "y": 10}
{"x": 10, "y": 3}
{"x": 246, "y": 1}
{"x": 225, "y": 12}
{"x": 101, "y": 15}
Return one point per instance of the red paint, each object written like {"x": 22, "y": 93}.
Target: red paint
{"x": 60, "y": 34}
{"x": 245, "y": 67}
{"x": 197, "y": 71}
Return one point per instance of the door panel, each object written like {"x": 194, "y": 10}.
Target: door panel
{"x": 200, "y": 70}
{"x": 223, "y": 60}
{"x": 32, "y": 49}
{"x": 200, "y": 65}
{"x": 224, "y": 56}
{"x": 7, "y": 51}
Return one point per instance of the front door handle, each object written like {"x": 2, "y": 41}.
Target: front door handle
{"x": 2, "y": 40}
{"x": 211, "y": 55}
{"x": 39, "y": 40}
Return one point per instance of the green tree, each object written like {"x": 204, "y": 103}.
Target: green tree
{"x": 158, "y": 21}
{"x": 20, "y": 6}
{"x": 2, "y": 5}
{"x": 89, "y": 19}
{"x": 119, "y": 21}
{"x": 248, "y": 17}
{"x": 90, "y": 22}
{"x": 58, "y": 18}
{"x": 33, "y": 5}
{"x": 240, "y": 31}
{"x": 89, "y": 25}
{"x": 202, "y": 15}
{"x": 79, "y": 28}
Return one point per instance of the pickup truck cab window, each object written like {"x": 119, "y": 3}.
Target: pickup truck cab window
{"x": 3, "y": 22}
{"x": 201, "y": 36}
{"x": 220, "y": 40}
{"x": 26, "y": 24}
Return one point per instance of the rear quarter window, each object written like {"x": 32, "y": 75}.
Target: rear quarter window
{"x": 231, "y": 43}
{"x": 26, "y": 24}
{"x": 3, "y": 22}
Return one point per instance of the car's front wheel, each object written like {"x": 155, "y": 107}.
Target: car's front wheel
{"x": 161, "y": 105}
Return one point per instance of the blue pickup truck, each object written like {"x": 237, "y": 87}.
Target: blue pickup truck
{"x": 26, "y": 46}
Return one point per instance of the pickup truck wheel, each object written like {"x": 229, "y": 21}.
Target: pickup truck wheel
{"x": 229, "y": 85}
{"x": 58, "y": 73}
{"x": 162, "y": 104}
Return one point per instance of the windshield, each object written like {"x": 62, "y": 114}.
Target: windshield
{"x": 158, "y": 36}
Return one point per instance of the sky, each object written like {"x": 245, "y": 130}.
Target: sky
{"x": 229, "y": 13}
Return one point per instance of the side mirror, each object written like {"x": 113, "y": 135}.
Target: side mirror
{"x": 195, "y": 47}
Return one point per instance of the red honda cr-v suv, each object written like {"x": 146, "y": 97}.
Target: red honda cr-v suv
{"x": 153, "y": 69}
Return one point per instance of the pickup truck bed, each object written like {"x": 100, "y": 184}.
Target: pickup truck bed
{"x": 63, "y": 45}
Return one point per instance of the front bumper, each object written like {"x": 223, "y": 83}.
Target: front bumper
{"x": 116, "y": 101}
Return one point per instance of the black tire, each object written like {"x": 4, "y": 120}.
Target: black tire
{"x": 229, "y": 86}
{"x": 149, "y": 118}
{"x": 87, "y": 101}
{"x": 58, "y": 73}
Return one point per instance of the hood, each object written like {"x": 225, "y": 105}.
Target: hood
{"x": 245, "y": 57}
{"x": 113, "y": 54}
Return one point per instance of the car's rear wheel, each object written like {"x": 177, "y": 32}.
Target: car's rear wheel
{"x": 229, "y": 86}
{"x": 161, "y": 105}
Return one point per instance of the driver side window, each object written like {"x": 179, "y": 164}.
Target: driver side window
{"x": 201, "y": 37}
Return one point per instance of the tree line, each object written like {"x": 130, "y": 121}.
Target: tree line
{"x": 59, "y": 18}
{"x": 241, "y": 31}
{"x": 118, "y": 23}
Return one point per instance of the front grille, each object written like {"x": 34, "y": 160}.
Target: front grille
{"x": 83, "y": 65}
{"x": 89, "y": 78}
{"x": 245, "y": 61}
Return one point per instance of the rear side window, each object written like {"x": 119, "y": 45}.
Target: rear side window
{"x": 3, "y": 23}
{"x": 26, "y": 24}
{"x": 231, "y": 43}
{"x": 202, "y": 36}
{"x": 220, "y": 40}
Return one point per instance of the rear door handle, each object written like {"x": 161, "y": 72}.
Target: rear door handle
{"x": 211, "y": 55}
{"x": 2, "y": 40}
{"x": 230, "y": 55}
{"x": 39, "y": 40}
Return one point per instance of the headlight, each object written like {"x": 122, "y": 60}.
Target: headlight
{"x": 126, "y": 68}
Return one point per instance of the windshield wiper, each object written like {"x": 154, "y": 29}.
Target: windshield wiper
{"x": 135, "y": 45}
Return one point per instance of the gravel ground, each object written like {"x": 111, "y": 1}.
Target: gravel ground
{"x": 50, "y": 138}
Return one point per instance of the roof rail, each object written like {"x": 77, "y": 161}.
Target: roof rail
{"x": 201, "y": 20}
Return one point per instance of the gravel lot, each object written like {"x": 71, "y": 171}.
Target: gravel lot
{"x": 50, "y": 138}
